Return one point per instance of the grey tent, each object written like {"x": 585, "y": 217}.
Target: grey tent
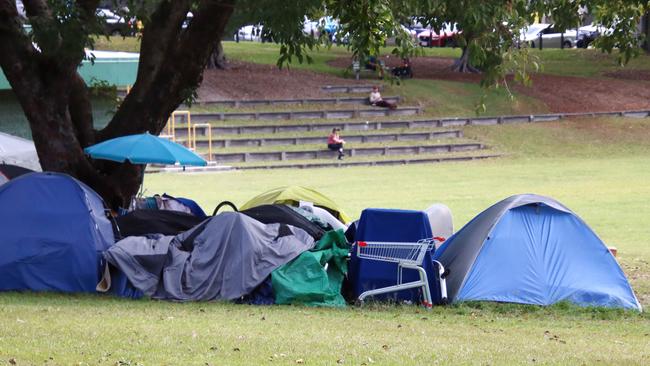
{"x": 223, "y": 258}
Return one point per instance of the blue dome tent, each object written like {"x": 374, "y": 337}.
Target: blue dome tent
{"x": 531, "y": 249}
{"x": 54, "y": 229}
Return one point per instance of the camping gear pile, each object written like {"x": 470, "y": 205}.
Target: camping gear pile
{"x": 293, "y": 245}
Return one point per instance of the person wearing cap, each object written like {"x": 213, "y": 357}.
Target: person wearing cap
{"x": 335, "y": 142}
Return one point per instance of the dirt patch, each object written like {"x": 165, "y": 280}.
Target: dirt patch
{"x": 559, "y": 93}
{"x": 244, "y": 81}
{"x": 576, "y": 94}
{"x": 630, "y": 75}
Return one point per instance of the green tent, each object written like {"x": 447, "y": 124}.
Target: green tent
{"x": 291, "y": 195}
{"x": 305, "y": 280}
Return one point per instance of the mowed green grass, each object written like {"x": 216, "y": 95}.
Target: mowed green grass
{"x": 87, "y": 330}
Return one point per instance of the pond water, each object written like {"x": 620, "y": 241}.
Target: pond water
{"x": 13, "y": 120}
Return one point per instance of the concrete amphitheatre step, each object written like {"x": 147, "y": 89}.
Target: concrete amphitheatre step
{"x": 384, "y": 162}
{"x": 332, "y": 162}
{"x": 292, "y": 115}
{"x": 181, "y": 130}
{"x": 350, "y": 88}
{"x": 272, "y": 102}
{"x": 304, "y": 140}
{"x": 234, "y": 157}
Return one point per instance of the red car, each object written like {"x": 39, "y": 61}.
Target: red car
{"x": 446, "y": 38}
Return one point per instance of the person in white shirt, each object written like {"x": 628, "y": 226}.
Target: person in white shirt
{"x": 377, "y": 100}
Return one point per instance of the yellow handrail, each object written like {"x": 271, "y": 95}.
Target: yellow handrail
{"x": 208, "y": 128}
{"x": 171, "y": 126}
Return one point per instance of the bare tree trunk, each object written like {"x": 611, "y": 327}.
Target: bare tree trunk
{"x": 217, "y": 59}
{"x": 463, "y": 64}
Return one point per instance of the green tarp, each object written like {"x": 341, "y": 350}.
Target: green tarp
{"x": 304, "y": 280}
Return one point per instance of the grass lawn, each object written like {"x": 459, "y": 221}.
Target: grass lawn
{"x": 569, "y": 62}
{"x": 85, "y": 330}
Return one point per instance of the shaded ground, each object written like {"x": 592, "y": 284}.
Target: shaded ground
{"x": 244, "y": 81}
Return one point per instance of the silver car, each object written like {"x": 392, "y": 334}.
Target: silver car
{"x": 550, "y": 37}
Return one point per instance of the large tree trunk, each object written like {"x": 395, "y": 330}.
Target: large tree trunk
{"x": 217, "y": 59}
{"x": 56, "y": 102}
{"x": 463, "y": 64}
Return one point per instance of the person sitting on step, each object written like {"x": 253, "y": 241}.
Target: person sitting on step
{"x": 377, "y": 100}
{"x": 335, "y": 142}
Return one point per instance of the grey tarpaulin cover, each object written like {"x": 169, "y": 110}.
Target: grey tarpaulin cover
{"x": 223, "y": 258}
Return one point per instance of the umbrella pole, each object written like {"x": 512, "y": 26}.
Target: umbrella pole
{"x": 144, "y": 167}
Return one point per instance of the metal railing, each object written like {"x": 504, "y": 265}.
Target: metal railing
{"x": 192, "y": 137}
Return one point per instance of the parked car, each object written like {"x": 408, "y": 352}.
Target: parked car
{"x": 589, "y": 33}
{"x": 446, "y": 38}
{"x": 114, "y": 24}
{"x": 550, "y": 37}
{"x": 412, "y": 34}
{"x": 311, "y": 27}
{"x": 250, "y": 32}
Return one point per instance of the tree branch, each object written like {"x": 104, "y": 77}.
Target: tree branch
{"x": 158, "y": 38}
{"x": 171, "y": 65}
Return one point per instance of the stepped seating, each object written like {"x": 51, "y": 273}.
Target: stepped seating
{"x": 297, "y": 138}
{"x": 379, "y": 162}
{"x": 318, "y": 152}
{"x": 361, "y": 125}
{"x": 302, "y": 140}
{"x": 350, "y": 88}
{"x": 300, "y": 115}
{"x": 274, "y": 102}
{"x": 331, "y": 163}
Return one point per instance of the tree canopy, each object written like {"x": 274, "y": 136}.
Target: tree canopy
{"x": 41, "y": 64}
